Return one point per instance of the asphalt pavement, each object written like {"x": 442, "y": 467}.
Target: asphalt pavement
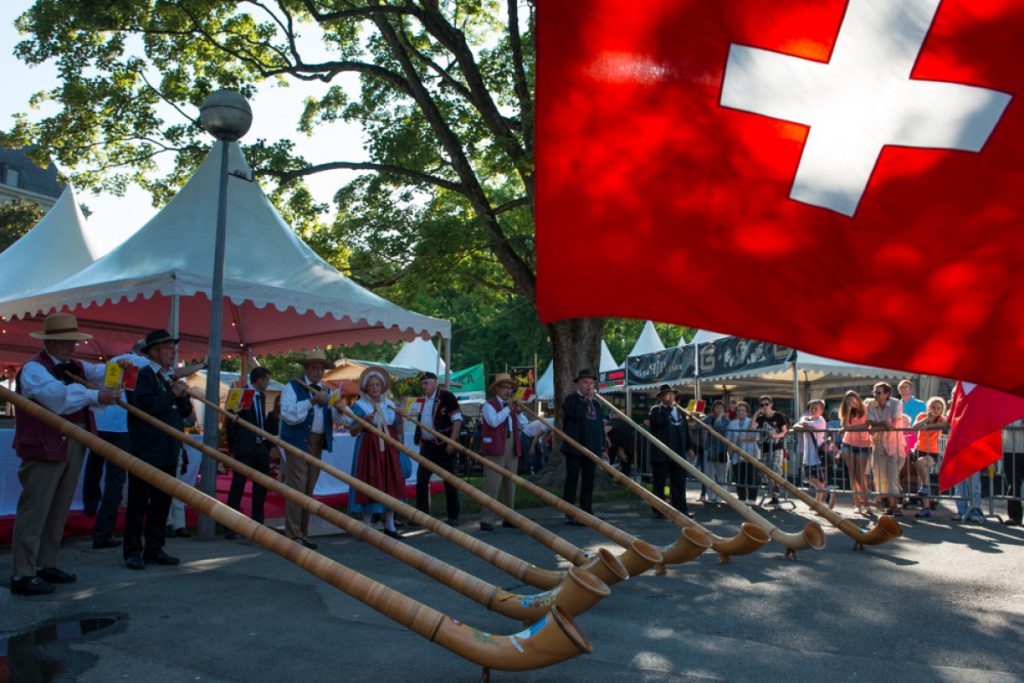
{"x": 943, "y": 603}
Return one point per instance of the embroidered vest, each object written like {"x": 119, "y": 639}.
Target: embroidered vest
{"x": 34, "y": 439}
{"x": 298, "y": 434}
{"x": 494, "y": 437}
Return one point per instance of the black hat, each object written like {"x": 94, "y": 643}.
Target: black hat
{"x": 428, "y": 375}
{"x": 585, "y": 372}
{"x": 157, "y": 337}
{"x": 665, "y": 388}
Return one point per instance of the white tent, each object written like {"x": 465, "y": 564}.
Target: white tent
{"x": 279, "y": 294}
{"x": 61, "y": 244}
{"x": 546, "y": 383}
{"x": 647, "y": 342}
{"x": 608, "y": 362}
{"x": 420, "y": 354}
{"x": 704, "y": 336}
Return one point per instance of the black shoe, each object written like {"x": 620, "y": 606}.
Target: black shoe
{"x": 452, "y": 521}
{"x": 134, "y": 562}
{"x": 31, "y": 585}
{"x": 55, "y": 575}
{"x": 572, "y": 521}
{"x": 392, "y": 534}
{"x": 774, "y": 500}
{"x": 163, "y": 559}
{"x": 308, "y": 543}
{"x": 1011, "y": 522}
{"x": 103, "y": 543}
{"x": 183, "y": 533}
{"x": 508, "y": 525}
{"x": 484, "y": 526}
{"x": 656, "y": 515}
{"x": 230, "y": 535}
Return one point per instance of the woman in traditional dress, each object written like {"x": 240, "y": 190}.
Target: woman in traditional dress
{"x": 375, "y": 461}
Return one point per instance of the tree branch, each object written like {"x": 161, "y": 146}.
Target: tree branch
{"x": 417, "y": 177}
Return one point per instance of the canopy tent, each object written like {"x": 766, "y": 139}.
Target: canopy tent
{"x": 61, "y": 244}
{"x": 345, "y": 369}
{"x": 279, "y": 295}
{"x": 608, "y": 362}
{"x": 420, "y": 354}
{"x": 546, "y": 383}
{"x": 647, "y": 342}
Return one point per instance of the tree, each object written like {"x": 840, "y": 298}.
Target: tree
{"x": 16, "y": 218}
{"x": 444, "y": 96}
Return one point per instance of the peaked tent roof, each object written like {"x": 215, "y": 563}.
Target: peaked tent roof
{"x": 704, "y": 336}
{"x": 647, "y": 342}
{"x": 61, "y": 244}
{"x": 608, "y": 362}
{"x": 420, "y": 354}
{"x": 546, "y": 383}
{"x": 279, "y": 294}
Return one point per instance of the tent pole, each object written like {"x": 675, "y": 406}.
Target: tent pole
{"x": 796, "y": 389}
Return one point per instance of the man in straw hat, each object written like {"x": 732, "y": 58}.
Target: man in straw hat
{"x": 439, "y": 410}
{"x": 502, "y": 422}
{"x": 306, "y": 423}
{"x": 50, "y": 462}
{"x": 583, "y": 420}
{"x": 668, "y": 425}
{"x": 159, "y": 394}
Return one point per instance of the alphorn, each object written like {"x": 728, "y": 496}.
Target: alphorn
{"x": 552, "y": 639}
{"x": 886, "y": 529}
{"x": 605, "y": 566}
{"x": 691, "y": 543}
{"x": 638, "y": 557}
{"x": 812, "y": 536}
{"x": 579, "y": 592}
{"x": 748, "y": 539}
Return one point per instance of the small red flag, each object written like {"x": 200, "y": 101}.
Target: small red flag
{"x": 851, "y": 170}
{"x": 977, "y": 416}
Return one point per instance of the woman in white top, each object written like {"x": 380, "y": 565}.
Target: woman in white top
{"x": 884, "y": 412}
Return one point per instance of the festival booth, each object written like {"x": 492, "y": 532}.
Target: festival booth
{"x": 278, "y": 294}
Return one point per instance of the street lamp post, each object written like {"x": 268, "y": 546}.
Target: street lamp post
{"x": 225, "y": 115}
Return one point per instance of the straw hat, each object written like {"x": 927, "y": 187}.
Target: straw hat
{"x": 60, "y": 327}
{"x": 314, "y": 357}
{"x": 379, "y": 373}
{"x": 501, "y": 378}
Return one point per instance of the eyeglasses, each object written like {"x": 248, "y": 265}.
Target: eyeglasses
{"x": 878, "y": 393}
{"x": 765, "y": 405}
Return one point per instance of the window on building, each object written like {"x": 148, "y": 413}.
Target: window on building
{"x": 12, "y": 177}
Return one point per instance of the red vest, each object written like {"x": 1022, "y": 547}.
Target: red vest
{"x": 34, "y": 439}
{"x": 494, "y": 437}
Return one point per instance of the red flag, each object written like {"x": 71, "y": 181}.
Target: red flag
{"x": 841, "y": 177}
{"x": 977, "y": 416}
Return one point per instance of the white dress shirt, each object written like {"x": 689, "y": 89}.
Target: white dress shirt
{"x": 294, "y": 411}
{"x": 427, "y": 415}
{"x": 39, "y": 385}
{"x": 495, "y": 418}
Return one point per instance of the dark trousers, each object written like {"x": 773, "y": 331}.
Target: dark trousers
{"x": 676, "y": 477}
{"x": 582, "y": 468}
{"x": 113, "y": 486}
{"x": 746, "y": 481}
{"x": 439, "y": 455}
{"x": 1013, "y": 469}
{"x": 259, "y": 460}
{"x": 146, "y": 516}
{"x": 92, "y": 475}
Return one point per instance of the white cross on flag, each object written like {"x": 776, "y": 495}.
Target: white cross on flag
{"x": 842, "y": 177}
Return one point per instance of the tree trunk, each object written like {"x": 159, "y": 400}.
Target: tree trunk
{"x": 576, "y": 345}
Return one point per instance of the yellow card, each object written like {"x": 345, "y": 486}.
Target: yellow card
{"x": 234, "y": 400}
{"x": 112, "y": 380}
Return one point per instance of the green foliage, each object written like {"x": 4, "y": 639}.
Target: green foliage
{"x": 17, "y": 217}
{"x": 621, "y": 333}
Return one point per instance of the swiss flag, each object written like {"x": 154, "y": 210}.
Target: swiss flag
{"x": 977, "y": 416}
{"x": 842, "y": 177}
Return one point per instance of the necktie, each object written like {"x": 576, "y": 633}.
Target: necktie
{"x": 258, "y": 400}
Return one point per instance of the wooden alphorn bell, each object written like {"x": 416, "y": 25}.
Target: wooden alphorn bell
{"x": 691, "y": 543}
{"x": 530, "y": 574}
{"x": 553, "y": 639}
{"x": 748, "y": 539}
{"x": 812, "y": 536}
{"x": 886, "y": 529}
{"x": 636, "y": 555}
